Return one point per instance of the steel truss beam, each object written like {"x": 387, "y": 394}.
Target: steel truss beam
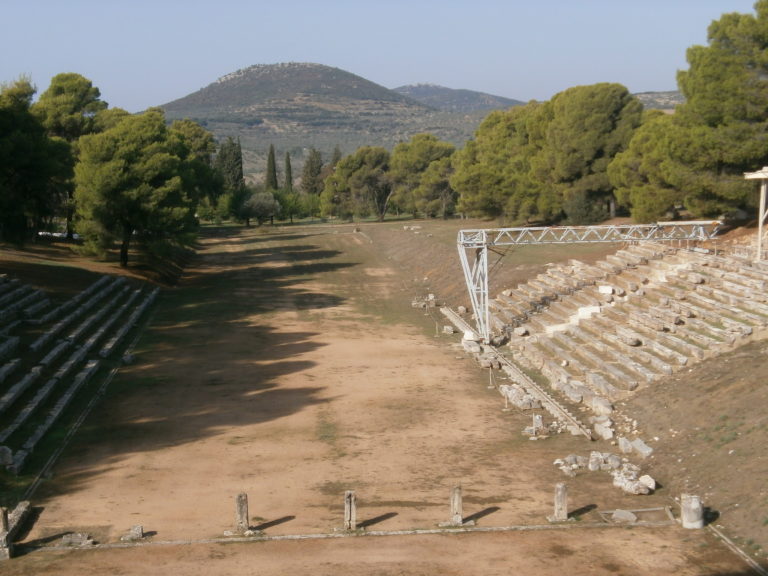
{"x": 480, "y": 240}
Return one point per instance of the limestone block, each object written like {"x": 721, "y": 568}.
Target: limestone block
{"x": 601, "y": 405}
{"x": 647, "y": 481}
{"x": 692, "y": 512}
{"x": 471, "y": 346}
{"x": 603, "y": 430}
{"x": 625, "y": 446}
{"x": 641, "y": 448}
{"x": 624, "y": 516}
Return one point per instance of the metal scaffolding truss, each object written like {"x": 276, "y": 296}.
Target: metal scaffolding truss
{"x": 479, "y": 241}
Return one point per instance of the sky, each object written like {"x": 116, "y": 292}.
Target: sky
{"x": 143, "y": 53}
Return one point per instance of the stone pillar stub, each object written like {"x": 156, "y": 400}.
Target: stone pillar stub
{"x": 6, "y": 548}
{"x": 691, "y": 512}
{"x": 457, "y": 507}
{"x": 561, "y": 503}
{"x": 241, "y": 513}
{"x": 350, "y": 510}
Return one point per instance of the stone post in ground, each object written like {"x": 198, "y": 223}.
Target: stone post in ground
{"x": 5, "y": 544}
{"x": 350, "y": 510}
{"x": 561, "y": 503}
{"x": 457, "y": 507}
{"x": 241, "y": 513}
{"x": 692, "y": 512}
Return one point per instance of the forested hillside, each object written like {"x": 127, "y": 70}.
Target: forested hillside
{"x": 292, "y": 141}
{"x": 298, "y": 106}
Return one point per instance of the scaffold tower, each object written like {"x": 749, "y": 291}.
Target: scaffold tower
{"x": 480, "y": 241}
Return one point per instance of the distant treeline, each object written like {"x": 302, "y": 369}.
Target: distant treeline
{"x": 69, "y": 162}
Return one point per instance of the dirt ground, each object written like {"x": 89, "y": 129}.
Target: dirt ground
{"x": 290, "y": 366}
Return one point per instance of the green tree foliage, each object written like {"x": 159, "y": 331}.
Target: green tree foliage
{"x": 409, "y": 161}
{"x": 196, "y": 146}
{"x": 262, "y": 206}
{"x": 270, "y": 180}
{"x": 34, "y": 167}
{"x": 359, "y": 185}
{"x": 720, "y": 132}
{"x": 68, "y": 110}
{"x": 69, "y": 106}
{"x": 288, "y": 184}
{"x": 492, "y": 173}
{"x": 434, "y": 196}
{"x": 589, "y": 125}
{"x": 129, "y": 183}
{"x": 643, "y": 173}
{"x": 539, "y": 162}
{"x": 229, "y": 165}
{"x": 311, "y": 173}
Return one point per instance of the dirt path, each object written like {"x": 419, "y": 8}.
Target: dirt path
{"x": 283, "y": 366}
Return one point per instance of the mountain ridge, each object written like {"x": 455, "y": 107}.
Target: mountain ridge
{"x": 295, "y": 106}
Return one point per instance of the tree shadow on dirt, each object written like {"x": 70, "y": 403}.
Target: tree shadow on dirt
{"x": 212, "y": 358}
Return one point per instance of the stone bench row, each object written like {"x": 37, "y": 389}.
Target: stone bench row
{"x": 74, "y": 360}
{"x": 81, "y": 310}
{"x": 15, "y": 291}
{"x": 8, "y": 347}
{"x": 72, "y": 302}
{"x": 14, "y": 392}
{"x": 19, "y": 458}
{"x": 9, "y": 368}
{"x": 640, "y": 337}
{"x": 26, "y": 304}
{"x": 107, "y": 349}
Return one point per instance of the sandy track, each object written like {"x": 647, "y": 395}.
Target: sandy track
{"x": 293, "y": 383}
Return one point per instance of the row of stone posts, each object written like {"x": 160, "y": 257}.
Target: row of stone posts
{"x": 692, "y": 512}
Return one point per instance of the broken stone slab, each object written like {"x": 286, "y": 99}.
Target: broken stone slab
{"x": 603, "y": 430}
{"x": 601, "y": 405}
{"x": 471, "y": 347}
{"x": 623, "y": 516}
{"x": 517, "y": 396}
{"x": 135, "y": 534}
{"x": 447, "y": 329}
{"x": 625, "y": 445}
{"x": 647, "y": 481}
{"x": 76, "y": 540}
{"x": 641, "y": 448}
{"x": 520, "y": 331}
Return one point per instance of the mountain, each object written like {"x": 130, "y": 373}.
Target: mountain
{"x": 660, "y": 100}
{"x": 452, "y": 100}
{"x": 297, "y": 106}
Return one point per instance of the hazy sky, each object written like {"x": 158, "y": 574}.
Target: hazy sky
{"x": 142, "y": 53}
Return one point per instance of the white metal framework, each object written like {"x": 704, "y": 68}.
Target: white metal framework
{"x": 761, "y": 175}
{"x": 479, "y": 241}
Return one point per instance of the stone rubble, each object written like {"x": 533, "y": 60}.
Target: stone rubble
{"x": 626, "y": 475}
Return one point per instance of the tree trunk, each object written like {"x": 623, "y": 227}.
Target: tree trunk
{"x": 125, "y": 246}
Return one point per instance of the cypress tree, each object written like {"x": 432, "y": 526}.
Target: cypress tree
{"x": 288, "y": 173}
{"x": 311, "y": 178}
{"x": 271, "y": 179}
{"x": 229, "y": 163}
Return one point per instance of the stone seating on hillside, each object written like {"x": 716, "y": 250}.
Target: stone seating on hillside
{"x": 665, "y": 308}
